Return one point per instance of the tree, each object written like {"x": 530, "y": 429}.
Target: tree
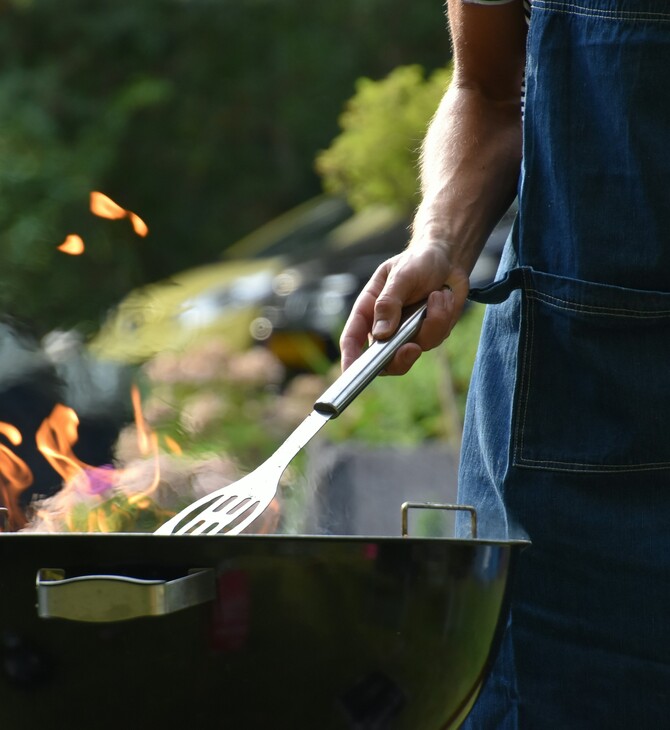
{"x": 203, "y": 117}
{"x": 375, "y": 158}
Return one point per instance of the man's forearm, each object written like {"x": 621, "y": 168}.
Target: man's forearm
{"x": 469, "y": 173}
{"x": 470, "y": 168}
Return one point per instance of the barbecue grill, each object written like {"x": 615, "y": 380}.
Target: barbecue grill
{"x": 248, "y": 631}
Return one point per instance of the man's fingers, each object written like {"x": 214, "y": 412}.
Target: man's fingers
{"x": 351, "y": 348}
{"x": 406, "y": 279}
{"x": 441, "y": 316}
{"x": 387, "y": 316}
{"x": 403, "y": 360}
{"x": 358, "y": 326}
{"x": 438, "y": 321}
{"x": 361, "y": 320}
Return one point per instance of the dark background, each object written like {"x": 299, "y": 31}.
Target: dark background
{"x": 204, "y": 117}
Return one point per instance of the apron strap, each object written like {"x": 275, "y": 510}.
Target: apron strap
{"x": 498, "y": 291}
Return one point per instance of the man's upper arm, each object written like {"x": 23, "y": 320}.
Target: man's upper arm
{"x": 489, "y": 42}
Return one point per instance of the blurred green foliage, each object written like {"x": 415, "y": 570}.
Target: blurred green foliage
{"x": 241, "y": 409}
{"x": 254, "y": 417}
{"x": 201, "y": 116}
{"x": 375, "y": 158}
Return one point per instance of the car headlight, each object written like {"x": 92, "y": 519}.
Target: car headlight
{"x": 206, "y": 308}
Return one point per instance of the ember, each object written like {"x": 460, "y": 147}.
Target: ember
{"x": 105, "y": 207}
{"x": 73, "y": 245}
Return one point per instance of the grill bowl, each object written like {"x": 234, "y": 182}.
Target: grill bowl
{"x": 301, "y": 632}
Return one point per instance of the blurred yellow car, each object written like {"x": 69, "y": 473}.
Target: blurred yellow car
{"x": 219, "y": 299}
{"x": 222, "y": 299}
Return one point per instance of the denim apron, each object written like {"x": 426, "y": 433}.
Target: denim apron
{"x": 567, "y": 436}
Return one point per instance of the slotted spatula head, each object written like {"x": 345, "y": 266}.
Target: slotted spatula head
{"x": 237, "y": 505}
{"x": 229, "y": 509}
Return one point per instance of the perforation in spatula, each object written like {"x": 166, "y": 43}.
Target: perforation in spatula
{"x": 229, "y": 513}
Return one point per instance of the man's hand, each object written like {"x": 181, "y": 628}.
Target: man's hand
{"x": 416, "y": 274}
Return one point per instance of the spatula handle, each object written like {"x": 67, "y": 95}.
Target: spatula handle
{"x": 363, "y": 370}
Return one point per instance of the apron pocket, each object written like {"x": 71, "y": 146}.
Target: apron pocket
{"x": 592, "y": 393}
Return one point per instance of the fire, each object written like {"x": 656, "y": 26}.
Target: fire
{"x": 173, "y": 446}
{"x": 55, "y": 439}
{"x": 15, "y": 476}
{"x": 142, "y": 492}
{"x": 144, "y": 433}
{"x": 104, "y": 207}
{"x": 148, "y": 444}
{"x": 73, "y": 245}
{"x": 139, "y": 226}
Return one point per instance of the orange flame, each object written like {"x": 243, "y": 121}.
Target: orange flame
{"x": 139, "y": 226}
{"x": 73, "y": 245}
{"x": 173, "y": 446}
{"x": 148, "y": 444}
{"x": 104, "y": 207}
{"x": 15, "y": 476}
{"x": 143, "y": 431}
{"x": 55, "y": 440}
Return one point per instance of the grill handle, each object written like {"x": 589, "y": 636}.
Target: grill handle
{"x": 407, "y": 506}
{"x": 363, "y": 370}
{"x": 110, "y": 598}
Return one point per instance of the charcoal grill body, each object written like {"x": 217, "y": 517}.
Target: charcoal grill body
{"x": 300, "y": 632}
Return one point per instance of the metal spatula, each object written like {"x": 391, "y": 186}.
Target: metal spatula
{"x": 235, "y": 506}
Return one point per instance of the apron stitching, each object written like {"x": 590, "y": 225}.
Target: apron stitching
{"x": 581, "y": 10}
{"x": 596, "y": 310}
{"x": 646, "y": 466}
{"x": 525, "y": 375}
